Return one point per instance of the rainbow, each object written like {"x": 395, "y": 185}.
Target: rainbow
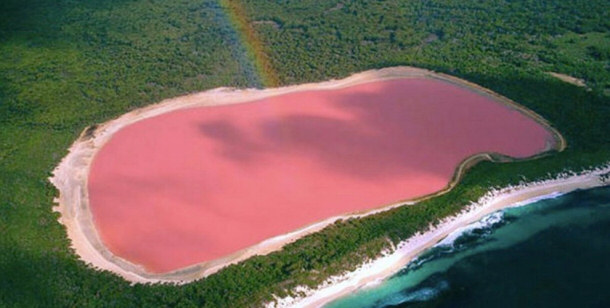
{"x": 249, "y": 39}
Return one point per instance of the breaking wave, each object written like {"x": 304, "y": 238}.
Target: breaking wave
{"x": 417, "y": 295}
{"x": 478, "y": 229}
{"x": 434, "y": 277}
{"x": 463, "y": 238}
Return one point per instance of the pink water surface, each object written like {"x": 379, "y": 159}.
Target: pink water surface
{"x": 199, "y": 184}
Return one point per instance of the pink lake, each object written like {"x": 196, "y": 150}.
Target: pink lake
{"x": 199, "y": 184}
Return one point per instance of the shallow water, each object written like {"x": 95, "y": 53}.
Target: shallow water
{"x": 550, "y": 253}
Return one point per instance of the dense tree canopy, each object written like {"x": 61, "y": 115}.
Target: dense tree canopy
{"x": 68, "y": 64}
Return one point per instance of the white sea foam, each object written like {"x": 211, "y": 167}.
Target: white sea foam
{"x": 486, "y": 222}
{"x": 419, "y": 295}
{"x": 373, "y": 283}
{"x": 379, "y": 268}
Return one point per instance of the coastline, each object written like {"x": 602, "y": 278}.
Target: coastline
{"x": 71, "y": 175}
{"x": 374, "y": 271}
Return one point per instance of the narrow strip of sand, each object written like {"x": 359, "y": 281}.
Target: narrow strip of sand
{"x": 71, "y": 176}
{"x": 569, "y": 79}
{"x": 390, "y": 263}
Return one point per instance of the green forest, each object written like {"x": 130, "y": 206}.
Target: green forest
{"x": 69, "y": 64}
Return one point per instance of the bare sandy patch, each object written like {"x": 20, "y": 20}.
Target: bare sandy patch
{"x": 569, "y": 79}
{"x": 271, "y": 23}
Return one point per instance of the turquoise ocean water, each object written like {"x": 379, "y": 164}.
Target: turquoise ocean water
{"x": 550, "y": 253}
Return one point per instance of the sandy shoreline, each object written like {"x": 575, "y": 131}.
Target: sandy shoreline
{"x": 70, "y": 177}
{"x": 390, "y": 263}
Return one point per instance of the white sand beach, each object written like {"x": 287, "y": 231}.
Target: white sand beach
{"x": 390, "y": 263}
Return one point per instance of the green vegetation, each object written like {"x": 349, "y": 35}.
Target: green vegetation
{"x": 68, "y": 64}
{"x": 315, "y": 41}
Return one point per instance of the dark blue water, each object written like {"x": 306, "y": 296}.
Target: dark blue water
{"x": 551, "y": 253}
